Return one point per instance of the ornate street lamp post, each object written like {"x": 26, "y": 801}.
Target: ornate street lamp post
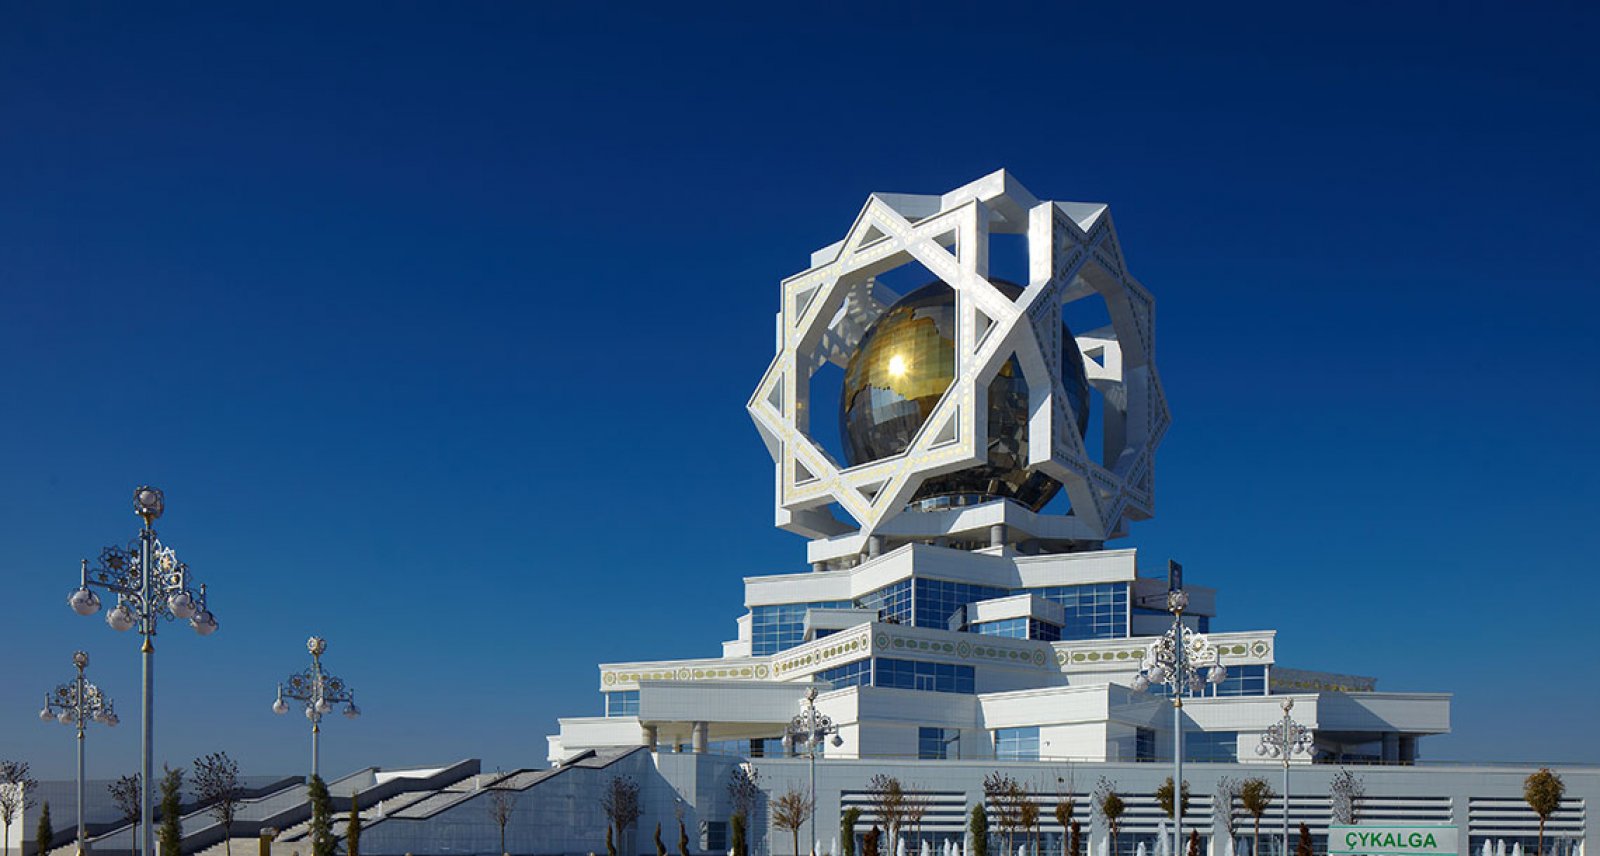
{"x": 151, "y": 585}
{"x": 320, "y": 691}
{"x": 808, "y": 730}
{"x": 77, "y": 703}
{"x": 1175, "y": 659}
{"x": 1283, "y": 739}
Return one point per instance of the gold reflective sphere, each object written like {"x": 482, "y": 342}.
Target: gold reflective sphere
{"x": 898, "y": 373}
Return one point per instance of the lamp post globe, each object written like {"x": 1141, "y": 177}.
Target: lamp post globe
{"x": 319, "y": 691}
{"x": 151, "y": 586}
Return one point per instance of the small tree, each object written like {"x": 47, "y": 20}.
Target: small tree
{"x": 739, "y": 845}
{"x": 501, "y": 804}
{"x": 1256, "y": 797}
{"x": 1227, "y": 791}
{"x": 914, "y": 808}
{"x": 1028, "y": 819}
{"x": 16, "y": 794}
{"x": 847, "y": 830}
{"x": 978, "y": 826}
{"x": 1194, "y": 842}
{"x": 1543, "y": 791}
{"x": 869, "y": 842}
{"x": 888, "y": 799}
{"x": 790, "y": 811}
{"x": 44, "y": 832}
{"x": 169, "y": 835}
{"x": 125, "y": 795}
{"x": 621, "y": 803}
{"x": 1063, "y": 812}
{"x": 1077, "y": 839}
{"x": 216, "y": 785}
{"x": 1345, "y": 791}
{"x": 1303, "y": 846}
{"x": 1164, "y": 797}
{"x": 321, "y": 830}
{"x": 352, "y": 829}
{"x": 661, "y": 846}
{"x": 744, "y": 793}
{"x": 611, "y": 845}
{"x": 1111, "y": 807}
{"x": 1006, "y": 797}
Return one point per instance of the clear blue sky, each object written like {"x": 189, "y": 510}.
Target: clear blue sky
{"x": 436, "y": 323}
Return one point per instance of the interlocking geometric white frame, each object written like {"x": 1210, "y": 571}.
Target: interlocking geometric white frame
{"x": 1073, "y": 254}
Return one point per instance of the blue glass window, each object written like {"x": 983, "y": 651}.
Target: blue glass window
{"x": 1019, "y": 628}
{"x": 782, "y": 626}
{"x": 1203, "y": 623}
{"x": 1098, "y": 611}
{"x": 932, "y": 743}
{"x": 937, "y": 600}
{"x": 1211, "y": 746}
{"x": 917, "y": 675}
{"x": 717, "y": 836}
{"x": 893, "y": 602}
{"x": 857, "y": 674}
{"x": 1017, "y": 744}
{"x": 1010, "y": 628}
{"x": 623, "y": 703}
{"x": 1144, "y": 744}
{"x": 1241, "y": 681}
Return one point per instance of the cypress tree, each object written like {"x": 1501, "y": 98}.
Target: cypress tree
{"x": 352, "y": 830}
{"x": 322, "y": 841}
{"x": 170, "y": 834}
{"x": 45, "y": 832}
{"x": 978, "y": 825}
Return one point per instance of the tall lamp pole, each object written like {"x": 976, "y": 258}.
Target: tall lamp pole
{"x": 151, "y": 585}
{"x": 77, "y": 703}
{"x": 320, "y": 691}
{"x": 1283, "y": 739}
{"x": 1175, "y": 660}
{"x": 808, "y": 730}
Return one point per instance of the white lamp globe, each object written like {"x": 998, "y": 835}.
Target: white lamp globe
{"x": 181, "y": 604}
{"x": 323, "y": 706}
{"x": 204, "y": 623}
{"x": 120, "y": 618}
{"x": 65, "y": 717}
{"x": 1219, "y": 673}
{"x": 84, "y": 602}
{"x": 279, "y": 707}
{"x": 1140, "y": 683}
{"x": 45, "y": 715}
{"x": 112, "y": 719}
{"x": 351, "y": 711}
{"x": 311, "y": 713}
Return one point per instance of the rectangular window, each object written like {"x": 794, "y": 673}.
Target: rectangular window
{"x": 1241, "y": 681}
{"x": 1144, "y": 744}
{"x": 937, "y": 600}
{"x": 1211, "y": 746}
{"x": 1009, "y": 628}
{"x": 917, "y": 675}
{"x": 624, "y": 703}
{"x": 780, "y": 627}
{"x": 1016, "y": 744}
{"x": 857, "y": 674}
{"x": 717, "y": 836}
{"x": 1096, "y": 611}
{"x": 933, "y": 743}
{"x": 892, "y": 602}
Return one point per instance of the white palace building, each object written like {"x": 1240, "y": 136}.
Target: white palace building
{"x": 963, "y": 415}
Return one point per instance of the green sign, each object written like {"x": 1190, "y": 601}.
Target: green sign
{"x": 1369, "y": 840}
